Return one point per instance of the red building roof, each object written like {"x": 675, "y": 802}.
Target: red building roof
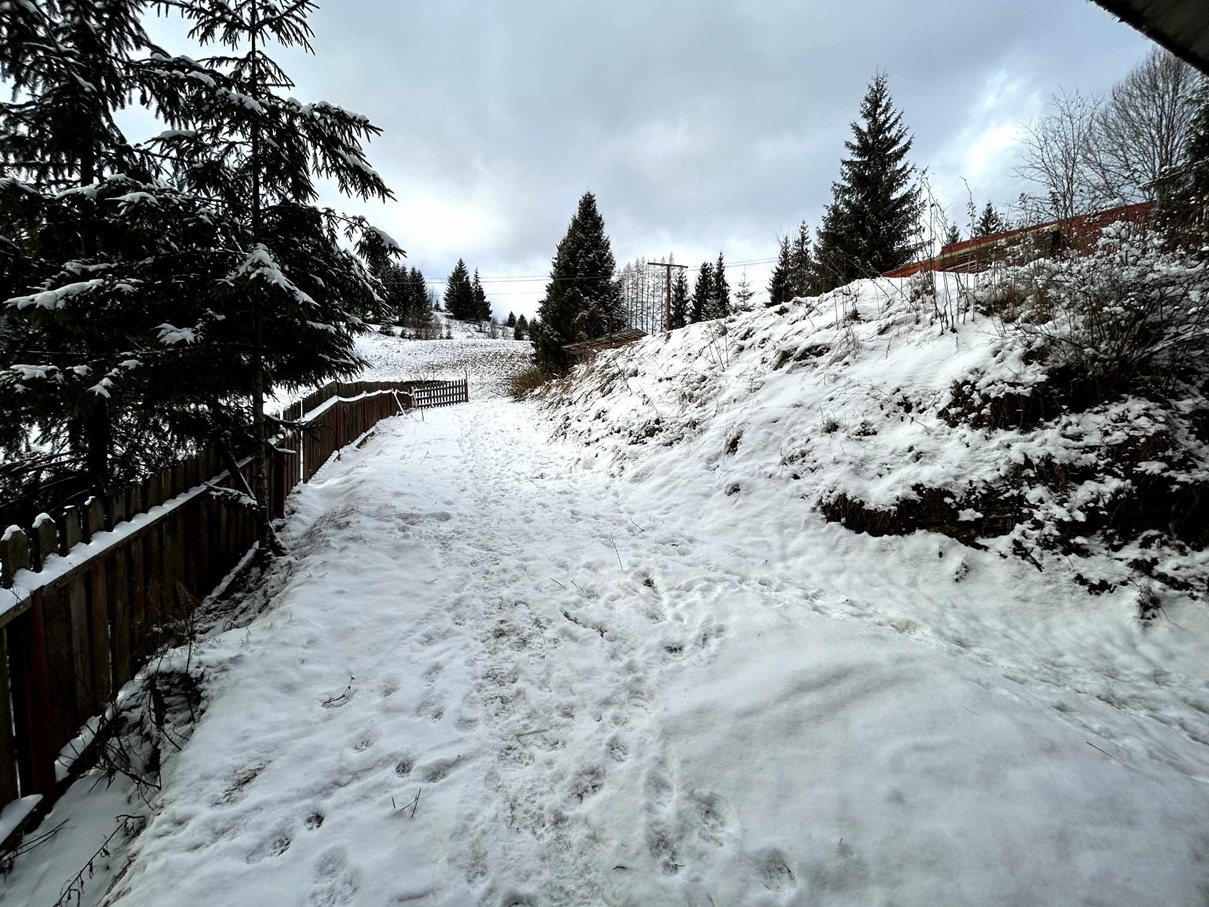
{"x": 1080, "y": 233}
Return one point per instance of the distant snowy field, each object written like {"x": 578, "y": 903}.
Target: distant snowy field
{"x": 486, "y": 363}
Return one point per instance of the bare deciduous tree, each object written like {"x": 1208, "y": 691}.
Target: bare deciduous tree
{"x": 1055, "y": 158}
{"x": 1088, "y": 153}
{"x": 1142, "y": 128}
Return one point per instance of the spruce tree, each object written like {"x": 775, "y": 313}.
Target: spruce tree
{"x": 744, "y": 293}
{"x": 286, "y": 312}
{"x": 511, "y": 320}
{"x": 419, "y": 301}
{"x": 520, "y": 329}
{"x": 802, "y": 272}
{"x": 482, "y": 308}
{"x": 780, "y": 287}
{"x": 869, "y": 225}
{"x": 679, "y": 300}
{"x": 989, "y": 222}
{"x": 68, "y": 67}
{"x": 703, "y": 293}
{"x": 459, "y": 293}
{"x": 952, "y": 235}
{"x": 582, "y": 295}
{"x": 720, "y": 291}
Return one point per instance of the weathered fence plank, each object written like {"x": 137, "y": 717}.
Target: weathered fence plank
{"x": 119, "y": 611}
{"x": 9, "y": 790}
{"x": 33, "y": 716}
{"x": 60, "y": 664}
{"x": 98, "y": 624}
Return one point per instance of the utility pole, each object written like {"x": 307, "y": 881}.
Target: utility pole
{"x": 667, "y": 292}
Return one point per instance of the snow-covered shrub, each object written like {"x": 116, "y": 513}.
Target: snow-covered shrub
{"x": 522, "y": 383}
{"x": 1131, "y": 317}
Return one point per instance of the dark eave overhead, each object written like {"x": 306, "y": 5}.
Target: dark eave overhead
{"x": 1181, "y": 26}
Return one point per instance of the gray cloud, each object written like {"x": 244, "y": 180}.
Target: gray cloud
{"x": 700, "y": 125}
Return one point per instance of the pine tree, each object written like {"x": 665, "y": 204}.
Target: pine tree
{"x": 582, "y": 295}
{"x": 286, "y": 312}
{"x": 719, "y": 306}
{"x": 780, "y": 287}
{"x": 989, "y": 222}
{"x": 679, "y": 300}
{"x": 67, "y": 66}
{"x": 867, "y": 228}
{"x": 743, "y": 294}
{"x": 802, "y": 273}
{"x": 952, "y": 235}
{"x": 459, "y": 293}
{"x": 703, "y": 293}
{"x": 482, "y": 308}
{"x": 511, "y": 320}
{"x": 520, "y": 329}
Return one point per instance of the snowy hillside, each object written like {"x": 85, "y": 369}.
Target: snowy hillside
{"x": 891, "y": 412}
{"x": 487, "y": 363}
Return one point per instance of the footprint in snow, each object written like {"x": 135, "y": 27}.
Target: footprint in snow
{"x": 274, "y": 847}
{"x": 659, "y": 789}
{"x": 335, "y": 883}
{"x": 440, "y": 769}
{"x": 431, "y": 707}
{"x": 773, "y": 872}
{"x": 587, "y": 782}
{"x": 617, "y": 749}
{"x": 711, "y": 813}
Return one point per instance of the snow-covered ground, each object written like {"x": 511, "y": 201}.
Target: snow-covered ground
{"x": 500, "y": 670}
{"x": 487, "y": 363}
{"x": 598, "y": 697}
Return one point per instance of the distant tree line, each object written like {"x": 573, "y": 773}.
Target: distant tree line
{"x": 407, "y": 301}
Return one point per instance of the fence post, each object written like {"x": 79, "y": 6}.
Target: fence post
{"x": 14, "y": 556}
{"x": 31, "y": 698}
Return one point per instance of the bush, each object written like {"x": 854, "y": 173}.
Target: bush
{"x": 521, "y": 384}
{"x": 1129, "y": 317}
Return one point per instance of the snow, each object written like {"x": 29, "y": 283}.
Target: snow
{"x": 604, "y": 695}
{"x": 485, "y": 363}
{"x": 502, "y": 669}
{"x": 14, "y": 813}
{"x": 58, "y": 297}
{"x": 259, "y": 263}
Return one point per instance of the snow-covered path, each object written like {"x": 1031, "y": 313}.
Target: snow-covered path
{"x": 597, "y": 706}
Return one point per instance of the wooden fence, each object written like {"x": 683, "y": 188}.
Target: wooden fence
{"x": 86, "y": 594}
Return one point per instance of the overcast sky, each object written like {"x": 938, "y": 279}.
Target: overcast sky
{"x": 701, "y": 125}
